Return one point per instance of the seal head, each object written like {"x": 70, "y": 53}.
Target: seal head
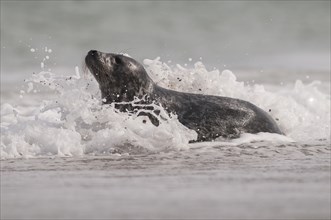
{"x": 120, "y": 78}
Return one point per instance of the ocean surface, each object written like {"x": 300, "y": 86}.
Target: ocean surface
{"x": 66, "y": 156}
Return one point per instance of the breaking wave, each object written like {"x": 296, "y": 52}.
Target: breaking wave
{"x": 69, "y": 120}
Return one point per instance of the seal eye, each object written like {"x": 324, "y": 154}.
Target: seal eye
{"x": 117, "y": 60}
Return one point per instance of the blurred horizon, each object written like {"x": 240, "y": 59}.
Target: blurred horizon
{"x": 291, "y": 35}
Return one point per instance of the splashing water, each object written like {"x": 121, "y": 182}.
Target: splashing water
{"x": 299, "y": 111}
{"x": 72, "y": 122}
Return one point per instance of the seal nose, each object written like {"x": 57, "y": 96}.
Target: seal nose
{"x": 93, "y": 52}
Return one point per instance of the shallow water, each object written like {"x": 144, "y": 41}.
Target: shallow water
{"x": 198, "y": 183}
{"x": 68, "y": 157}
{"x": 64, "y": 155}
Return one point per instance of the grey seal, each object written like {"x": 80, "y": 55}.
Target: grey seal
{"x": 122, "y": 78}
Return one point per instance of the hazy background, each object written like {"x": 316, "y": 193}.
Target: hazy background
{"x": 292, "y": 35}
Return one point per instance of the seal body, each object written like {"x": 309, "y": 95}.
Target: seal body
{"x": 122, "y": 78}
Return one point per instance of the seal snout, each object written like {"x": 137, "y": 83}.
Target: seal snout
{"x": 93, "y": 53}
{"x": 92, "y": 57}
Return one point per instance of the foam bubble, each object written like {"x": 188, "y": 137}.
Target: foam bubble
{"x": 30, "y": 87}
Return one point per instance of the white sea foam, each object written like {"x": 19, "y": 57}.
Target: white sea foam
{"x": 74, "y": 123}
{"x": 302, "y": 111}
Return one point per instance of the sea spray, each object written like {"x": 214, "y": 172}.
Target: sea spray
{"x": 302, "y": 112}
{"x": 73, "y": 122}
